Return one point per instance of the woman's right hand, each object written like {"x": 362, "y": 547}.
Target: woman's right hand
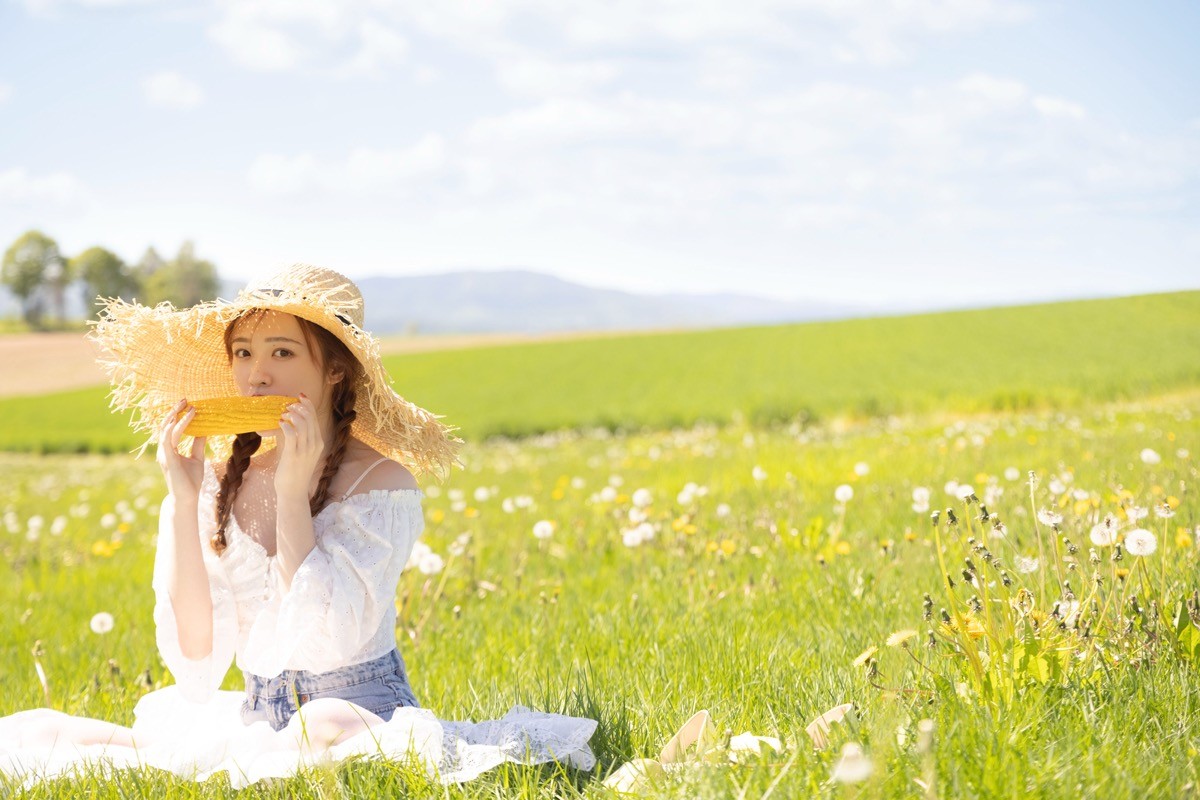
{"x": 183, "y": 473}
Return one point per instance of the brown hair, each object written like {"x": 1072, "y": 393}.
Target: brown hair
{"x": 335, "y": 358}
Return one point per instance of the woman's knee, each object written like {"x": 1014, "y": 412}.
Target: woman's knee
{"x": 326, "y": 721}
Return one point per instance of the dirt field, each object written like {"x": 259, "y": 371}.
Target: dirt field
{"x": 54, "y": 362}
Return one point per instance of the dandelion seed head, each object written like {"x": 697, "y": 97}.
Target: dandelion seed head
{"x": 1140, "y": 542}
{"x": 543, "y": 529}
{"x": 1150, "y": 456}
{"x": 102, "y": 623}
{"x": 843, "y": 493}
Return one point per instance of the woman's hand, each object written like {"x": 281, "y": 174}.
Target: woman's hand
{"x": 300, "y": 451}
{"x": 183, "y": 473}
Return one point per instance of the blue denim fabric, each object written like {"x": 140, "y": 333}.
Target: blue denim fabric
{"x": 380, "y": 686}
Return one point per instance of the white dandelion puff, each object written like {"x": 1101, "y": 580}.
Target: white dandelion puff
{"x": 1012, "y": 474}
{"x": 759, "y": 473}
{"x": 862, "y": 468}
{"x": 1048, "y": 517}
{"x": 723, "y": 510}
{"x": 1104, "y": 533}
{"x": 642, "y": 498}
{"x": 102, "y": 623}
{"x": 1026, "y": 565}
{"x": 543, "y": 529}
{"x": 853, "y": 767}
{"x": 843, "y": 493}
{"x": 1140, "y": 542}
{"x": 1150, "y": 456}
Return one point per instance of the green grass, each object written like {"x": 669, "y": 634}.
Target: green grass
{"x": 1048, "y": 356}
{"x": 756, "y": 615}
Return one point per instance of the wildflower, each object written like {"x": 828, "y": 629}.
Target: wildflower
{"x": 577, "y": 482}
{"x": 608, "y": 494}
{"x": 1012, "y": 474}
{"x": 861, "y": 468}
{"x": 1134, "y": 513}
{"x": 999, "y": 530}
{"x": 1056, "y": 486}
{"x": 853, "y": 766}
{"x": 1149, "y": 456}
{"x": 951, "y": 488}
{"x": 723, "y": 510}
{"x": 642, "y": 498}
{"x": 920, "y": 500}
{"x": 900, "y": 638}
{"x": 1164, "y": 511}
{"x": 759, "y": 473}
{"x": 508, "y": 505}
{"x": 1048, "y": 517}
{"x": 455, "y": 494}
{"x": 1026, "y": 565}
{"x": 1140, "y": 542}
{"x": 102, "y": 623}
{"x": 864, "y": 656}
{"x": 430, "y": 563}
{"x": 964, "y": 491}
{"x": 1104, "y": 533}
{"x": 543, "y": 529}
{"x": 481, "y": 494}
{"x": 615, "y": 481}
{"x": 58, "y": 526}
{"x": 843, "y": 493}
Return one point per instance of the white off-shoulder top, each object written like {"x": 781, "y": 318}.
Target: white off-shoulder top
{"x": 340, "y": 608}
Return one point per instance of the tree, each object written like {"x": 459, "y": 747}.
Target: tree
{"x": 185, "y": 281}
{"x": 24, "y": 272}
{"x": 103, "y": 274}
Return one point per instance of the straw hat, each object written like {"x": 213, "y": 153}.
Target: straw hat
{"x": 154, "y": 356}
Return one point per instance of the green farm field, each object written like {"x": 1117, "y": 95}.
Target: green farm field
{"x": 1038, "y": 639}
{"x": 1047, "y": 356}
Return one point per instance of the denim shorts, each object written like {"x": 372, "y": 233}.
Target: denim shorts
{"x": 380, "y": 686}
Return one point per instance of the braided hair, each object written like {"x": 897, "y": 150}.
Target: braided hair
{"x": 335, "y": 358}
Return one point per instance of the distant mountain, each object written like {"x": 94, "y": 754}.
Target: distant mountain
{"x": 522, "y": 301}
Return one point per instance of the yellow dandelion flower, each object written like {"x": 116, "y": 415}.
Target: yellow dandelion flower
{"x": 981, "y": 477}
{"x": 470, "y": 512}
{"x": 886, "y": 544}
{"x": 900, "y": 637}
{"x": 437, "y": 515}
{"x": 689, "y": 529}
{"x": 1183, "y": 539}
{"x": 910, "y": 535}
{"x": 102, "y": 548}
{"x": 678, "y": 523}
{"x": 711, "y": 547}
{"x": 842, "y": 548}
{"x": 728, "y": 547}
{"x": 622, "y": 498}
{"x": 1172, "y": 501}
{"x": 1156, "y": 490}
{"x": 1031, "y": 439}
{"x": 124, "y": 527}
{"x": 864, "y": 655}
{"x": 973, "y": 627}
{"x": 1122, "y": 573}
{"x": 1082, "y": 507}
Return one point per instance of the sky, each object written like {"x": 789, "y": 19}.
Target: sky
{"x": 875, "y": 152}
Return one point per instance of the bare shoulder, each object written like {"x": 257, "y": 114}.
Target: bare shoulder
{"x": 387, "y": 475}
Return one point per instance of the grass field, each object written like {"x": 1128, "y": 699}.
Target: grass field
{"x": 756, "y": 593}
{"x": 1049, "y": 356}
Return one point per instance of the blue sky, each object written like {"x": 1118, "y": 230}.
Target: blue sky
{"x": 885, "y": 152}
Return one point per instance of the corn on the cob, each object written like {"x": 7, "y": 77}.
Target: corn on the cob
{"x": 219, "y": 416}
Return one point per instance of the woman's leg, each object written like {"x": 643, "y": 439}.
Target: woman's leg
{"x": 326, "y": 721}
{"x": 45, "y": 727}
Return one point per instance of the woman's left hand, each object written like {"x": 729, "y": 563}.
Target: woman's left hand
{"x": 300, "y": 449}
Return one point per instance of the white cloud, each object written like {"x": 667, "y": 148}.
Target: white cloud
{"x": 539, "y": 76}
{"x": 5, "y": 92}
{"x": 364, "y": 170}
{"x": 276, "y": 34}
{"x": 172, "y": 90}
{"x": 379, "y": 47}
{"x": 18, "y": 186}
{"x": 1056, "y": 107}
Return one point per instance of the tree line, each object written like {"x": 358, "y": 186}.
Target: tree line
{"x": 39, "y": 275}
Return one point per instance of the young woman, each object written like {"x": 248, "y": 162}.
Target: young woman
{"x": 282, "y": 552}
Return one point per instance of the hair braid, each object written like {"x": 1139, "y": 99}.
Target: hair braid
{"x": 343, "y": 417}
{"x": 244, "y": 446}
